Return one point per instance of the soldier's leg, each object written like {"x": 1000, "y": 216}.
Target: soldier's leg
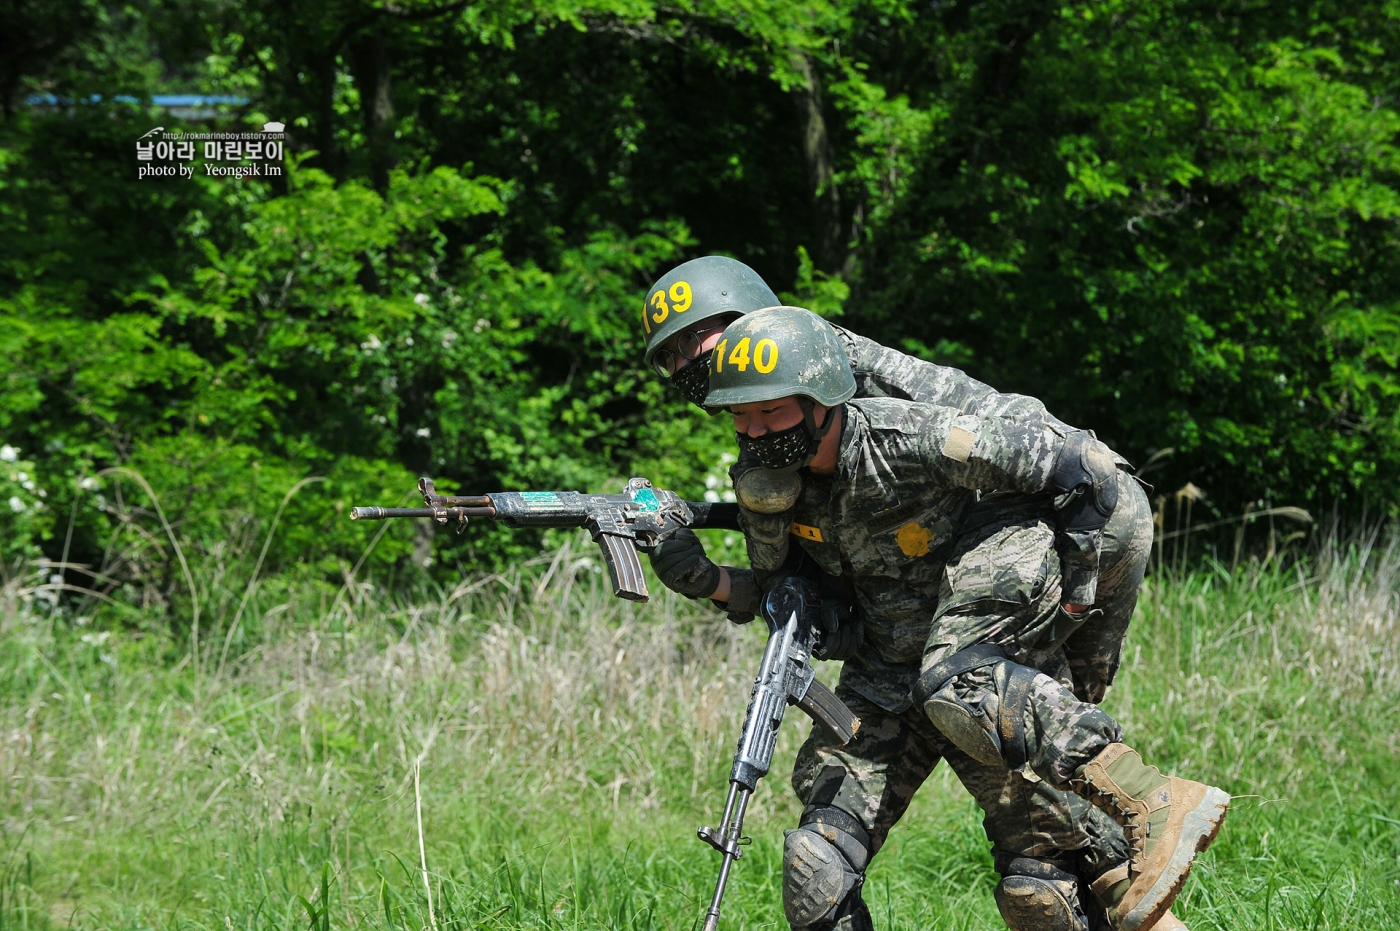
{"x": 1095, "y": 648}
{"x": 998, "y": 612}
{"x": 1049, "y": 846}
{"x": 852, "y": 795}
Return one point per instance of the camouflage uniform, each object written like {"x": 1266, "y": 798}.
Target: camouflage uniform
{"x": 888, "y": 539}
{"x": 903, "y": 520}
{"x": 875, "y": 776}
{"x": 1119, "y": 563}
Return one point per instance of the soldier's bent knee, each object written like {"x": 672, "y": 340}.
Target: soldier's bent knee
{"x": 823, "y": 867}
{"x": 1037, "y": 896}
{"x": 969, "y": 724}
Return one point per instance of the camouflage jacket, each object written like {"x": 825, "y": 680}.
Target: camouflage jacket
{"x": 907, "y": 478}
{"x": 881, "y": 372}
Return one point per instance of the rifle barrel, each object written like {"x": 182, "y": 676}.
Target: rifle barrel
{"x": 449, "y": 513}
{"x": 733, "y": 833}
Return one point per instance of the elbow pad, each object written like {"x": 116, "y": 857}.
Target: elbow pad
{"x": 1086, "y": 479}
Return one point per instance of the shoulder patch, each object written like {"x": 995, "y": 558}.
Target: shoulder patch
{"x": 958, "y": 445}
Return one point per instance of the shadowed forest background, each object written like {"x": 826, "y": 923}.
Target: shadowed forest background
{"x": 1177, "y": 223}
{"x": 1174, "y": 222}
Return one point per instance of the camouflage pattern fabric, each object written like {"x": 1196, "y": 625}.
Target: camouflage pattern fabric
{"x": 875, "y": 776}
{"x": 903, "y": 519}
{"x": 888, "y": 522}
{"x": 1095, "y": 649}
{"x": 881, "y": 372}
{"x": 1001, "y": 586}
{"x": 889, "y": 516}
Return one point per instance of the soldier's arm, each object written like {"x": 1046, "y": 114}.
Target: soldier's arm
{"x": 989, "y": 453}
{"x": 884, "y": 372}
{"x": 1032, "y": 457}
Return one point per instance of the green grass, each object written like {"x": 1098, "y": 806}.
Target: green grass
{"x": 570, "y": 744}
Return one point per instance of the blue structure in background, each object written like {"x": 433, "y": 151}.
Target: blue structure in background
{"x": 182, "y": 106}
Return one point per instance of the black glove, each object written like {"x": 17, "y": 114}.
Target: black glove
{"x": 842, "y": 630}
{"x": 682, "y": 566}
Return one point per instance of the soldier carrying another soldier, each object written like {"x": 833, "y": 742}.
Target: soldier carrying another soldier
{"x": 882, "y": 472}
{"x": 1024, "y": 816}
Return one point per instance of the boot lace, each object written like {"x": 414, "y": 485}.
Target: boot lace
{"x": 1135, "y": 830}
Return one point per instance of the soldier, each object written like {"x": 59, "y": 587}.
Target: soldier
{"x": 684, "y": 315}
{"x": 921, "y": 507}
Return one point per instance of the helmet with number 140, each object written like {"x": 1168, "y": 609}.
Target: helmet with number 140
{"x": 777, "y": 353}
{"x": 691, "y": 302}
{"x": 782, "y": 352}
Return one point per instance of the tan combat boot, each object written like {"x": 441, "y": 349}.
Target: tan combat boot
{"x": 1167, "y": 820}
{"x": 1109, "y": 889}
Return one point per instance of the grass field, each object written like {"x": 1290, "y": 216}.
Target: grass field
{"x": 571, "y": 743}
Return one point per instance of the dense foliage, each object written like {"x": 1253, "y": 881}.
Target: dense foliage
{"x": 1175, "y": 222}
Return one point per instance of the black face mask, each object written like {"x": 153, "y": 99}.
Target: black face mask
{"x": 693, "y": 381}
{"x": 786, "y": 450}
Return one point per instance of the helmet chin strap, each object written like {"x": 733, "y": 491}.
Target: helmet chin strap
{"x": 817, "y": 433}
{"x": 809, "y": 418}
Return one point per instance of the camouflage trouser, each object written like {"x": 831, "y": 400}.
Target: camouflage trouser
{"x": 1002, "y": 589}
{"x": 1095, "y": 648}
{"x": 875, "y": 776}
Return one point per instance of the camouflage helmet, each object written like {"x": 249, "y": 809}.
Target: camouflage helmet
{"x": 777, "y": 353}
{"x": 699, "y": 290}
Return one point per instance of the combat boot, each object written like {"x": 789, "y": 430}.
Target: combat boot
{"x": 1167, "y": 821}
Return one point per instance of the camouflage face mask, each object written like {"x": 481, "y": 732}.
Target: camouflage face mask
{"x": 693, "y": 381}
{"x": 784, "y": 451}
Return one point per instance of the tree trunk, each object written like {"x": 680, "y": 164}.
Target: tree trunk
{"x": 370, "y": 61}
{"x": 832, "y": 252}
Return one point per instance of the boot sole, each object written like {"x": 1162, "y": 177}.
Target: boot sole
{"x": 1198, "y": 829}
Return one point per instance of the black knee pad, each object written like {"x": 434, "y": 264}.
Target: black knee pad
{"x": 999, "y": 742}
{"x": 824, "y": 864}
{"x": 1038, "y": 895}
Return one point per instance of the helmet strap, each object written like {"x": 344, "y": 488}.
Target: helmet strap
{"x": 809, "y": 418}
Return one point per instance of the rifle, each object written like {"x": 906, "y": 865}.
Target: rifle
{"x": 637, "y": 519}
{"x": 785, "y": 677}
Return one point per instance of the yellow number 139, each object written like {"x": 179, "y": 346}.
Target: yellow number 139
{"x": 681, "y": 299}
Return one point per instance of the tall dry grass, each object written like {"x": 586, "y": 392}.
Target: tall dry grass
{"x": 570, "y": 743}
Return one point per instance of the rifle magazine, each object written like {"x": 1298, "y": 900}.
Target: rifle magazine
{"x": 624, "y": 566}
{"x": 821, "y": 705}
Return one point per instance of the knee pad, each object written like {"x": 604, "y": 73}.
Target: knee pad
{"x": 971, "y": 727}
{"x": 1036, "y": 895}
{"x": 823, "y": 867}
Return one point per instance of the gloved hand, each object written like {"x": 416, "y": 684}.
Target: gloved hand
{"x": 682, "y": 566}
{"x": 842, "y": 630}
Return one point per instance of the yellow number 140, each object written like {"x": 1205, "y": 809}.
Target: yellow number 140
{"x": 765, "y": 356}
